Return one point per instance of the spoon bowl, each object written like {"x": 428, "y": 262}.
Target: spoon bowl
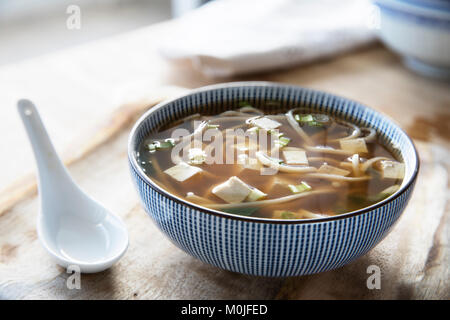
{"x": 74, "y": 228}
{"x": 92, "y": 243}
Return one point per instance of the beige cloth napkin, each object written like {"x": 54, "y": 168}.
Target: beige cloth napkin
{"x": 231, "y": 37}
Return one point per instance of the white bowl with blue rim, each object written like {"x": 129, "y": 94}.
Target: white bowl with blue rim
{"x": 419, "y": 30}
{"x": 261, "y": 246}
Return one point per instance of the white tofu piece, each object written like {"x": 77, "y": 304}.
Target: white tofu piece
{"x": 266, "y": 123}
{"x": 326, "y": 168}
{"x": 392, "y": 169}
{"x": 293, "y": 156}
{"x": 234, "y": 190}
{"x": 248, "y": 163}
{"x": 182, "y": 171}
{"x": 354, "y": 145}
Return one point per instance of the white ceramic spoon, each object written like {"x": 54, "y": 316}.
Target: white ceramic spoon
{"x": 74, "y": 228}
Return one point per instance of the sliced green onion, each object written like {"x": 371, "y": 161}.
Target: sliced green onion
{"x": 156, "y": 145}
{"x": 244, "y": 104}
{"x": 241, "y": 211}
{"x": 317, "y": 120}
{"x": 283, "y": 141}
{"x": 276, "y": 133}
{"x": 288, "y": 215}
{"x": 315, "y": 124}
{"x": 302, "y": 187}
{"x": 255, "y": 195}
{"x": 213, "y": 126}
{"x": 171, "y": 141}
{"x": 164, "y": 145}
{"x": 304, "y": 117}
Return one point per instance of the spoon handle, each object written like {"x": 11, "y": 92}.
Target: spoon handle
{"x": 52, "y": 172}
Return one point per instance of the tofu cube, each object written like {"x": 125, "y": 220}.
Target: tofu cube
{"x": 298, "y": 156}
{"x": 234, "y": 190}
{"x": 392, "y": 169}
{"x": 182, "y": 171}
{"x": 266, "y": 123}
{"x": 354, "y": 145}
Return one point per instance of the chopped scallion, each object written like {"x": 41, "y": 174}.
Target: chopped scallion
{"x": 287, "y": 215}
{"x": 256, "y": 195}
{"x": 304, "y": 117}
{"x": 302, "y": 187}
{"x": 244, "y": 104}
{"x": 283, "y": 141}
{"x": 312, "y": 120}
{"x": 156, "y": 145}
{"x": 164, "y": 145}
{"x": 315, "y": 124}
{"x": 240, "y": 211}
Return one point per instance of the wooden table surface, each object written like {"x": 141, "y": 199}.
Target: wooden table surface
{"x": 89, "y": 97}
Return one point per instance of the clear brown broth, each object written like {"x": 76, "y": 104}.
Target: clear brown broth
{"x": 348, "y": 196}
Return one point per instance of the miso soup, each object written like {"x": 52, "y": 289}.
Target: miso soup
{"x": 294, "y": 165}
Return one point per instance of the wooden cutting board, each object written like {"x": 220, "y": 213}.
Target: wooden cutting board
{"x": 413, "y": 259}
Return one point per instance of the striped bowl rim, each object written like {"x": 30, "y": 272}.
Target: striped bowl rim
{"x": 431, "y": 10}
{"x": 135, "y": 166}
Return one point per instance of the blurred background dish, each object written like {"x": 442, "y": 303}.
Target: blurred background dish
{"x": 419, "y": 30}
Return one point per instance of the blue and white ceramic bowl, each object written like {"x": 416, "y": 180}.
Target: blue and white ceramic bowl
{"x": 419, "y": 30}
{"x": 268, "y": 247}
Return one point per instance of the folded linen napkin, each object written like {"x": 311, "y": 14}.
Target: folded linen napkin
{"x": 230, "y": 37}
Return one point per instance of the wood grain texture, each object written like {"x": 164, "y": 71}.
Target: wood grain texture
{"x": 73, "y": 89}
{"x": 412, "y": 258}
